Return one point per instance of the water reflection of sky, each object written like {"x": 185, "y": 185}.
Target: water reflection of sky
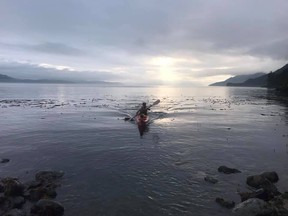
{"x": 107, "y": 166}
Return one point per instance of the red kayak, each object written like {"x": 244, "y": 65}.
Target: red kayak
{"x": 142, "y": 122}
{"x": 142, "y": 119}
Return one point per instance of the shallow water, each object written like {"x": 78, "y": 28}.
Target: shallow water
{"x": 110, "y": 170}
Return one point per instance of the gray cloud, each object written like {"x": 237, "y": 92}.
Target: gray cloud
{"x": 48, "y": 48}
{"x": 126, "y": 33}
{"x": 28, "y": 71}
{"x": 275, "y": 49}
{"x": 150, "y": 25}
{"x": 56, "y": 48}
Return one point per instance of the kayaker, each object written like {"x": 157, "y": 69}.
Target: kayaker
{"x": 143, "y": 110}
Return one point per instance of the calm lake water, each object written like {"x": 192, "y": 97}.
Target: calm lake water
{"x": 111, "y": 170}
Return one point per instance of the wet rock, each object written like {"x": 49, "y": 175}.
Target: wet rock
{"x": 271, "y": 176}
{"x": 15, "y": 212}
{"x": 2, "y": 199}
{"x": 47, "y": 208}
{"x": 50, "y": 192}
{"x": 263, "y": 194}
{"x": 2, "y": 188}
{"x": 48, "y": 176}
{"x": 4, "y": 160}
{"x": 261, "y": 182}
{"x": 281, "y": 204}
{"x": 257, "y": 181}
{"x": 16, "y": 201}
{"x": 253, "y": 207}
{"x": 224, "y": 203}
{"x": 12, "y": 187}
{"x": 32, "y": 184}
{"x": 285, "y": 195}
{"x": 228, "y": 170}
{"x": 247, "y": 195}
{"x": 38, "y": 193}
{"x": 210, "y": 179}
{"x": 4, "y": 205}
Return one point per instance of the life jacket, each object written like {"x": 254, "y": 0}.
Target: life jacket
{"x": 143, "y": 110}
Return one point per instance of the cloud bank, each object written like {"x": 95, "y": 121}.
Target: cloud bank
{"x": 166, "y": 41}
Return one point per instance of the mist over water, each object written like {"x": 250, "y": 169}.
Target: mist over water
{"x": 110, "y": 170}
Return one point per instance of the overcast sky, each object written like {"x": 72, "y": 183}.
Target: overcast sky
{"x": 160, "y": 41}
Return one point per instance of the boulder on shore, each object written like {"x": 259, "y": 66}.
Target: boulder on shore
{"x": 12, "y": 187}
{"x": 266, "y": 178}
{"x": 264, "y": 183}
{"x": 15, "y": 212}
{"x": 253, "y": 207}
{"x": 48, "y": 176}
{"x": 18, "y": 199}
{"x": 46, "y": 207}
{"x": 271, "y": 176}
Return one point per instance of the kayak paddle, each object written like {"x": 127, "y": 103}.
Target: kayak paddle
{"x": 155, "y": 103}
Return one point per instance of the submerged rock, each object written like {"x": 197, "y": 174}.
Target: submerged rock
{"x": 48, "y": 176}
{"x": 4, "y": 160}
{"x": 281, "y": 204}
{"x": 224, "y": 203}
{"x": 211, "y": 179}
{"x": 19, "y": 199}
{"x": 12, "y": 187}
{"x": 15, "y": 212}
{"x": 16, "y": 202}
{"x": 2, "y": 188}
{"x": 38, "y": 193}
{"x": 264, "y": 182}
{"x": 46, "y": 207}
{"x": 4, "y": 205}
{"x": 257, "y": 181}
{"x": 253, "y": 207}
{"x": 227, "y": 170}
{"x": 263, "y": 194}
{"x": 271, "y": 176}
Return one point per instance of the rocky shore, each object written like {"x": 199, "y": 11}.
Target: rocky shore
{"x": 262, "y": 199}
{"x": 33, "y": 198}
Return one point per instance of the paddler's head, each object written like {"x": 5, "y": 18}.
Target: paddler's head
{"x": 144, "y": 104}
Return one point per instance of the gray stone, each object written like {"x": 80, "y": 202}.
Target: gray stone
{"x": 252, "y": 207}
{"x": 38, "y": 193}
{"x": 2, "y": 188}
{"x": 257, "y": 181}
{"x": 210, "y": 179}
{"x": 261, "y": 182}
{"x": 46, "y": 207}
{"x": 15, "y": 212}
{"x": 48, "y": 176}
{"x": 224, "y": 203}
{"x": 4, "y": 160}
{"x": 12, "y": 187}
{"x": 4, "y": 205}
{"x": 16, "y": 201}
{"x": 227, "y": 170}
{"x": 271, "y": 176}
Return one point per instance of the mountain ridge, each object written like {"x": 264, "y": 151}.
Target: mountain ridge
{"x": 238, "y": 79}
{"x": 7, "y": 79}
{"x": 277, "y": 79}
